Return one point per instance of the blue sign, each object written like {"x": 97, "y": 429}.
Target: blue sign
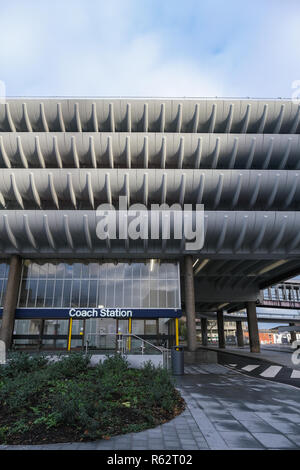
{"x": 86, "y": 313}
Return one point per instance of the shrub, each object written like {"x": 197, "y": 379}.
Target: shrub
{"x": 115, "y": 364}
{"x": 23, "y": 363}
{"x": 70, "y": 365}
{"x": 71, "y": 400}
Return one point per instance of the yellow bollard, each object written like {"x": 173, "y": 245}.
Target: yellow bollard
{"x": 70, "y": 333}
{"x": 129, "y": 331}
{"x": 177, "y": 331}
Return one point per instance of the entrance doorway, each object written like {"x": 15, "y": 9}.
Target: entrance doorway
{"x": 101, "y": 333}
{"x": 61, "y": 335}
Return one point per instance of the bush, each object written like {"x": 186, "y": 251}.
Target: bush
{"x": 68, "y": 400}
{"x": 70, "y": 365}
{"x": 23, "y": 363}
{"x": 115, "y": 364}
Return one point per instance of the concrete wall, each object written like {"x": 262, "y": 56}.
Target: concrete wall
{"x": 134, "y": 360}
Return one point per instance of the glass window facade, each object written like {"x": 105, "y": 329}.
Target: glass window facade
{"x": 141, "y": 284}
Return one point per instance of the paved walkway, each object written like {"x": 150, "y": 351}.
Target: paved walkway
{"x": 225, "y": 410}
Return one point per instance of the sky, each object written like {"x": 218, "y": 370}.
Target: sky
{"x": 150, "y": 48}
{"x": 163, "y": 48}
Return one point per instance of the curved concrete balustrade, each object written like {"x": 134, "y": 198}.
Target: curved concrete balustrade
{"x": 149, "y": 150}
{"x": 270, "y": 234}
{"x": 87, "y": 188}
{"x": 150, "y": 115}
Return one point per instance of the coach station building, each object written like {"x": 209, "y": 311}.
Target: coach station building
{"x": 60, "y": 159}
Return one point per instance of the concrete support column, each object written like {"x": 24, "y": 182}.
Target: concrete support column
{"x": 293, "y": 334}
{"x": 221, "y": 332}
{"x": 10, "y": 300}
{"x": 253, "y": 327}
{"x": 239, "y": 334}
{"x": 189, "y": 296}
{"x": 204, "y": 331}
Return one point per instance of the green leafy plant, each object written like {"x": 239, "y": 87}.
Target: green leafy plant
{"x": 70, "y": 400}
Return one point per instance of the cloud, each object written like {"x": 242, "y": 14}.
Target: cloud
{"x": 149, "y": 48}
{"x": 135, "y": 70}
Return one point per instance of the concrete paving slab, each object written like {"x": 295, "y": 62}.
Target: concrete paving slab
{"x": 258, "y": 426}
{"x": 240, "y": 440}
{"x": 229, "y": 425}
{"x": 274, "y": 441}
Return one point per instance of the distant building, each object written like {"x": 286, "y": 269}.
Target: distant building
{"x": 273, "y": 337}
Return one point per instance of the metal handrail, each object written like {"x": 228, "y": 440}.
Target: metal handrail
{"x": 163, "y": 351}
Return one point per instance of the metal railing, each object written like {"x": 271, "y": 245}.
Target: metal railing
{"x": 125, "y": 344}
{"x": 261, "y": 315}
{"x": 284, "y": 291}
{"x": 284, "y": 295}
